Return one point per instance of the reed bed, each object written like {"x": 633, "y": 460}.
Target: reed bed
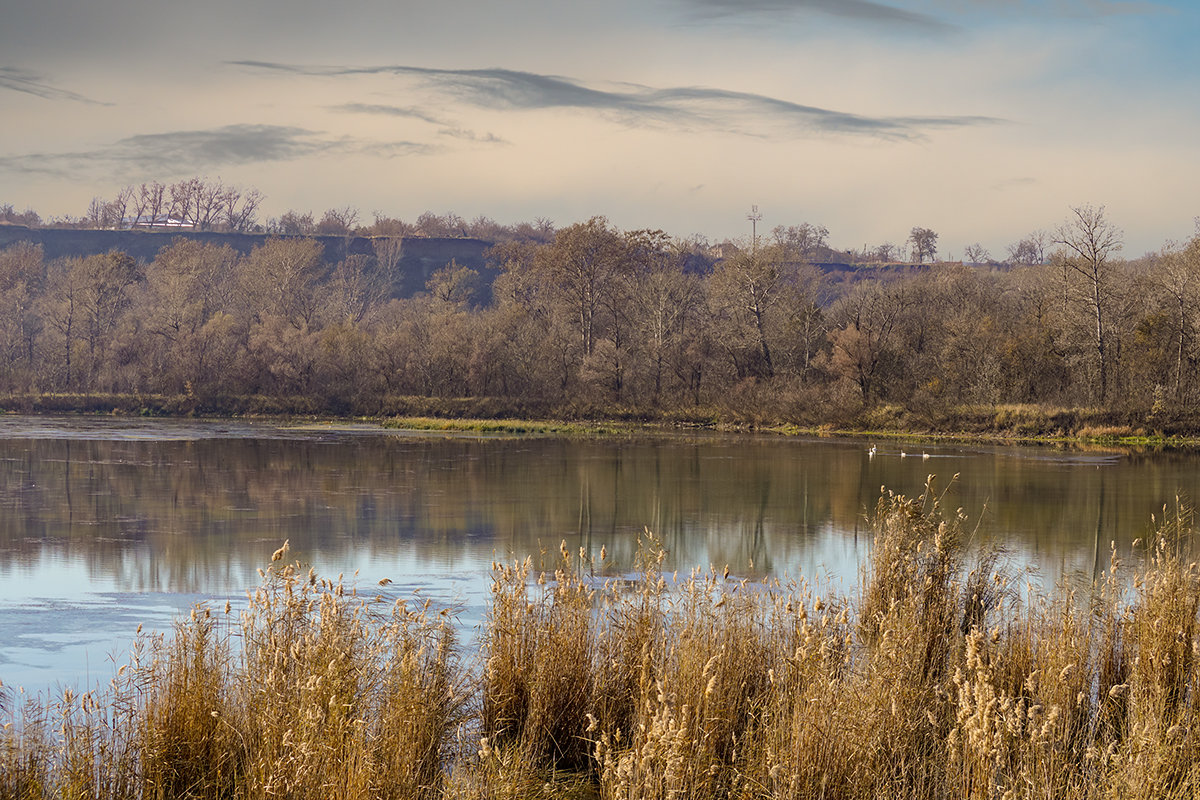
{"x": 935, "y": 678}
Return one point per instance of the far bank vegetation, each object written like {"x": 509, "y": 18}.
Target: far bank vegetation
{"x": 588, "y": 321}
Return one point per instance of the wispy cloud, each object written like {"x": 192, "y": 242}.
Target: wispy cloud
{"x": 19, "y": 80}
{"x": 231, "y": 144}
{"x": 854, "y": 10}
{"x": 908, "y": 15}
{"x": 638, "y": 105}
{"x": 472, "y": 136}
{"x": 446, "y": 127}
{"x": 388, "y": 111}
{"x": 181, "y": 152}
{"x": 1070, "y": 8}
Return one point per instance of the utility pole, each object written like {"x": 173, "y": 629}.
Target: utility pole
{"x": 754, "y": 217}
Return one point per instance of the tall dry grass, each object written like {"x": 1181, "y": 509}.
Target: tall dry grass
{"x": 937, "y": 678}
{"x": 314, "y": 692}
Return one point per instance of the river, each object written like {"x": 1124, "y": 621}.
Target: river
{"x": 108, "y": 523}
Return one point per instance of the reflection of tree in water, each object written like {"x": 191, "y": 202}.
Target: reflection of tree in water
{"x": 1097, "y": 567}
{"x": 201, "y": 515}
{"x": 758, "y": 540}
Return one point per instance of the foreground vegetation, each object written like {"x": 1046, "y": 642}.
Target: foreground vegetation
{"x": 939, "y": 677}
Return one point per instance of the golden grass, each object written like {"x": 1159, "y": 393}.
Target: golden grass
{"x": 512, "y": 427}
{"x": 936, "y": 679}
{"x": 330, "y": 695}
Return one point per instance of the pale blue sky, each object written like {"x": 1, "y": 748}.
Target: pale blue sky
{"x": 982, "y": 119}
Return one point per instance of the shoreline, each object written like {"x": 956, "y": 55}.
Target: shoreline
{"x": 1013, "y": 425}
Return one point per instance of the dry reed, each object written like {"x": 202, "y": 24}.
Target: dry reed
{"x": 937, "y": 679}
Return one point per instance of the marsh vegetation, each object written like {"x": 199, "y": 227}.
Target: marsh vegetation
{"x": 940, "y": 676}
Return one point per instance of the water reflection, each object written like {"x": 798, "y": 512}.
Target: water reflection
{"x": 97, "y": 516}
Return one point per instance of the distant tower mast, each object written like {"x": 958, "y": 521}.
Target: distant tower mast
{"x": 754, "y": 217}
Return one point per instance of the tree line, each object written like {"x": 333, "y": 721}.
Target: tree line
{"x": 205, "y": 204}
{"x": 628, "y": 321}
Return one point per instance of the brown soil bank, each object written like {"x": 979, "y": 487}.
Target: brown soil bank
{"x": 420, "y": 257}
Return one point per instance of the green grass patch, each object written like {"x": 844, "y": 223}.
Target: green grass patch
{"x": 514, "y": 427}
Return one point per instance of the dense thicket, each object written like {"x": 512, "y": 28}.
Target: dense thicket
{"x": 605, "y": 320}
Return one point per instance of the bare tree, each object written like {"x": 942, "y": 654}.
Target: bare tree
{"x": 1030, "y": 250}
{"x": 884, "y": 253}
{"x": 338, "y": 221}
{"x": 486, "y": 228}
{"x": 976, "y": 254}
{"x": 280, "y": 279}
{"x": 454, "y": 285}
{"x": 28, "y": 217}
{"x": 208, "y": 203}
{"x": 863, "y": 327}
{"x": 1088, "y": 242}
{"x": 924, "y": 244}
{"x": 389, "y": 250}
{"x": 430, "y": 224}
{"x": 582, "y": 265}
{"x": 83, "y": 300}
{"x": 211, "y": 205}
{"x": 241, "y": 209}
{"x": 803, "y": 241}
{"x": 388, "y": 226}
{"x": 149, "y": 204}
{"x": 199, "y": 202}
{"x": 182, "y": 194}
{"x": 293, "y": 223}
{"x": 664, "y": 301}
{"x": 97, "y": 215}
{"x": 1178, "y": 275}
{"x": 21, "y": 279}
{"x": 355, "y": 286}
{"x": 118, "y": 209}
{"x": 455, "y": 224}
{"x": 749, "y": 287}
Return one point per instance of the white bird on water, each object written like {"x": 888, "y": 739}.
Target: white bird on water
{"x": 924, "y": 454}
{"x": 871, "y": 452}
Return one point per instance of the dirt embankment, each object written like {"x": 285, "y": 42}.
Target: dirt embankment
{"x": 419, "y": 257}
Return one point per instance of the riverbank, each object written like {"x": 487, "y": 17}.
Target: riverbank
{"x": 1002, "y": 423}
{"x": 937, "y": 678}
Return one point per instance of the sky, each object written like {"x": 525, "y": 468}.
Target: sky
{"x": 983, "y": 120}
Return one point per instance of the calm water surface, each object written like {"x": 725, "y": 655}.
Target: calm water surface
{"x": 109, "y": 523}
